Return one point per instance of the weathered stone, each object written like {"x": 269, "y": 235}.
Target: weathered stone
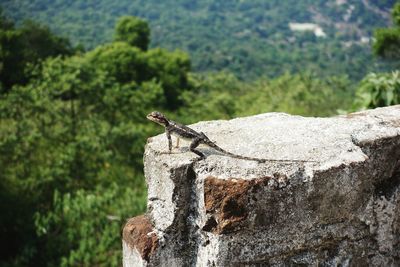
{"x": 138, "y": 235}
{"x": 342, "y": 207}
{"x": 226, "y": 202}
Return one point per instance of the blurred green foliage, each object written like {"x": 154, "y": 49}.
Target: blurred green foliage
{"x": 73, "y": 129}
{"x": 27, "y": 44}
{"x": 382, "y": 89}
{"x": 222, "y": 95}
{"x": 85, "y": 225}
{"x": 71, "y": 146}
{"x": 387, "y": 41}
{"x": 250, "y": 38}
{"x": 378, "y": 90}
{"x": 134, "y": 31}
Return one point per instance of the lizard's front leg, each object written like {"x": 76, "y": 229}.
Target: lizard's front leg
{"x": 195, "y": 143}
{"x": 168, "y": 133}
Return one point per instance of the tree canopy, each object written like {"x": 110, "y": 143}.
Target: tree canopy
{"x": 387, "y": 42}
{"x": 73, "y": 126}
{"x": 382, "y": 89}
{"x": 71, "y": 143}
{"x": 134, "y": 31}
{"x": 24, "y": 46}
{"x": 250, "y": 38}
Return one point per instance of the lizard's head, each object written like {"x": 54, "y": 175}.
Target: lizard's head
{"x": 157, "y": 117}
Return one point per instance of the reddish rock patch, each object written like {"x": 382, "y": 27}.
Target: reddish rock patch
{"x": 226, "y": 201}
{"x": 137, "y": 235}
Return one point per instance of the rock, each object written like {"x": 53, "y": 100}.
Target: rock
{"x": 339, "y": 207}
{"x": 139, "y": 239}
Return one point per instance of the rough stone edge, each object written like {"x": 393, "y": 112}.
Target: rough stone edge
{"x": 363, "y": 144}
{"x": 138, "y": 235}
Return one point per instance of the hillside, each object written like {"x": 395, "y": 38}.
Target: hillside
{"x": 248, "y": 37}
{"x": 73, "y": 124}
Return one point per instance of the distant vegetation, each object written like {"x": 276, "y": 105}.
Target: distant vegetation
{"x": 249, "y": 38}
{"x": 72, "y": 131}
{"x": 383, "y": 89}
{"x": 73, "y": 127}
{"x": 26, "y": 45}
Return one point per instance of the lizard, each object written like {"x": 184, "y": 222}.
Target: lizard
{"x": 184, "y": 132}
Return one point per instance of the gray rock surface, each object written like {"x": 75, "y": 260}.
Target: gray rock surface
{"x": 341, "y": 207}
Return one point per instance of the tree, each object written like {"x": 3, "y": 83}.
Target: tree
{"x": 71, "y": 147}
{"x": 222, "y": 95}
{"x": 67, "y": 138}
{"x": 387, "y": 44}
{"x": 39, "y": 42}
{"x": 382, "y": 89}
{"x": 24, "y": 46}
{"x": 134, "y": 31}
{"x": 171, "y": 70}
{"x": 127, "y": 64}
{"x": 86, "y": 225}
{"x": 120, "y": 60}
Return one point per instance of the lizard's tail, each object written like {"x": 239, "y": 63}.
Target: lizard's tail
{"x": 223, "y": 151}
